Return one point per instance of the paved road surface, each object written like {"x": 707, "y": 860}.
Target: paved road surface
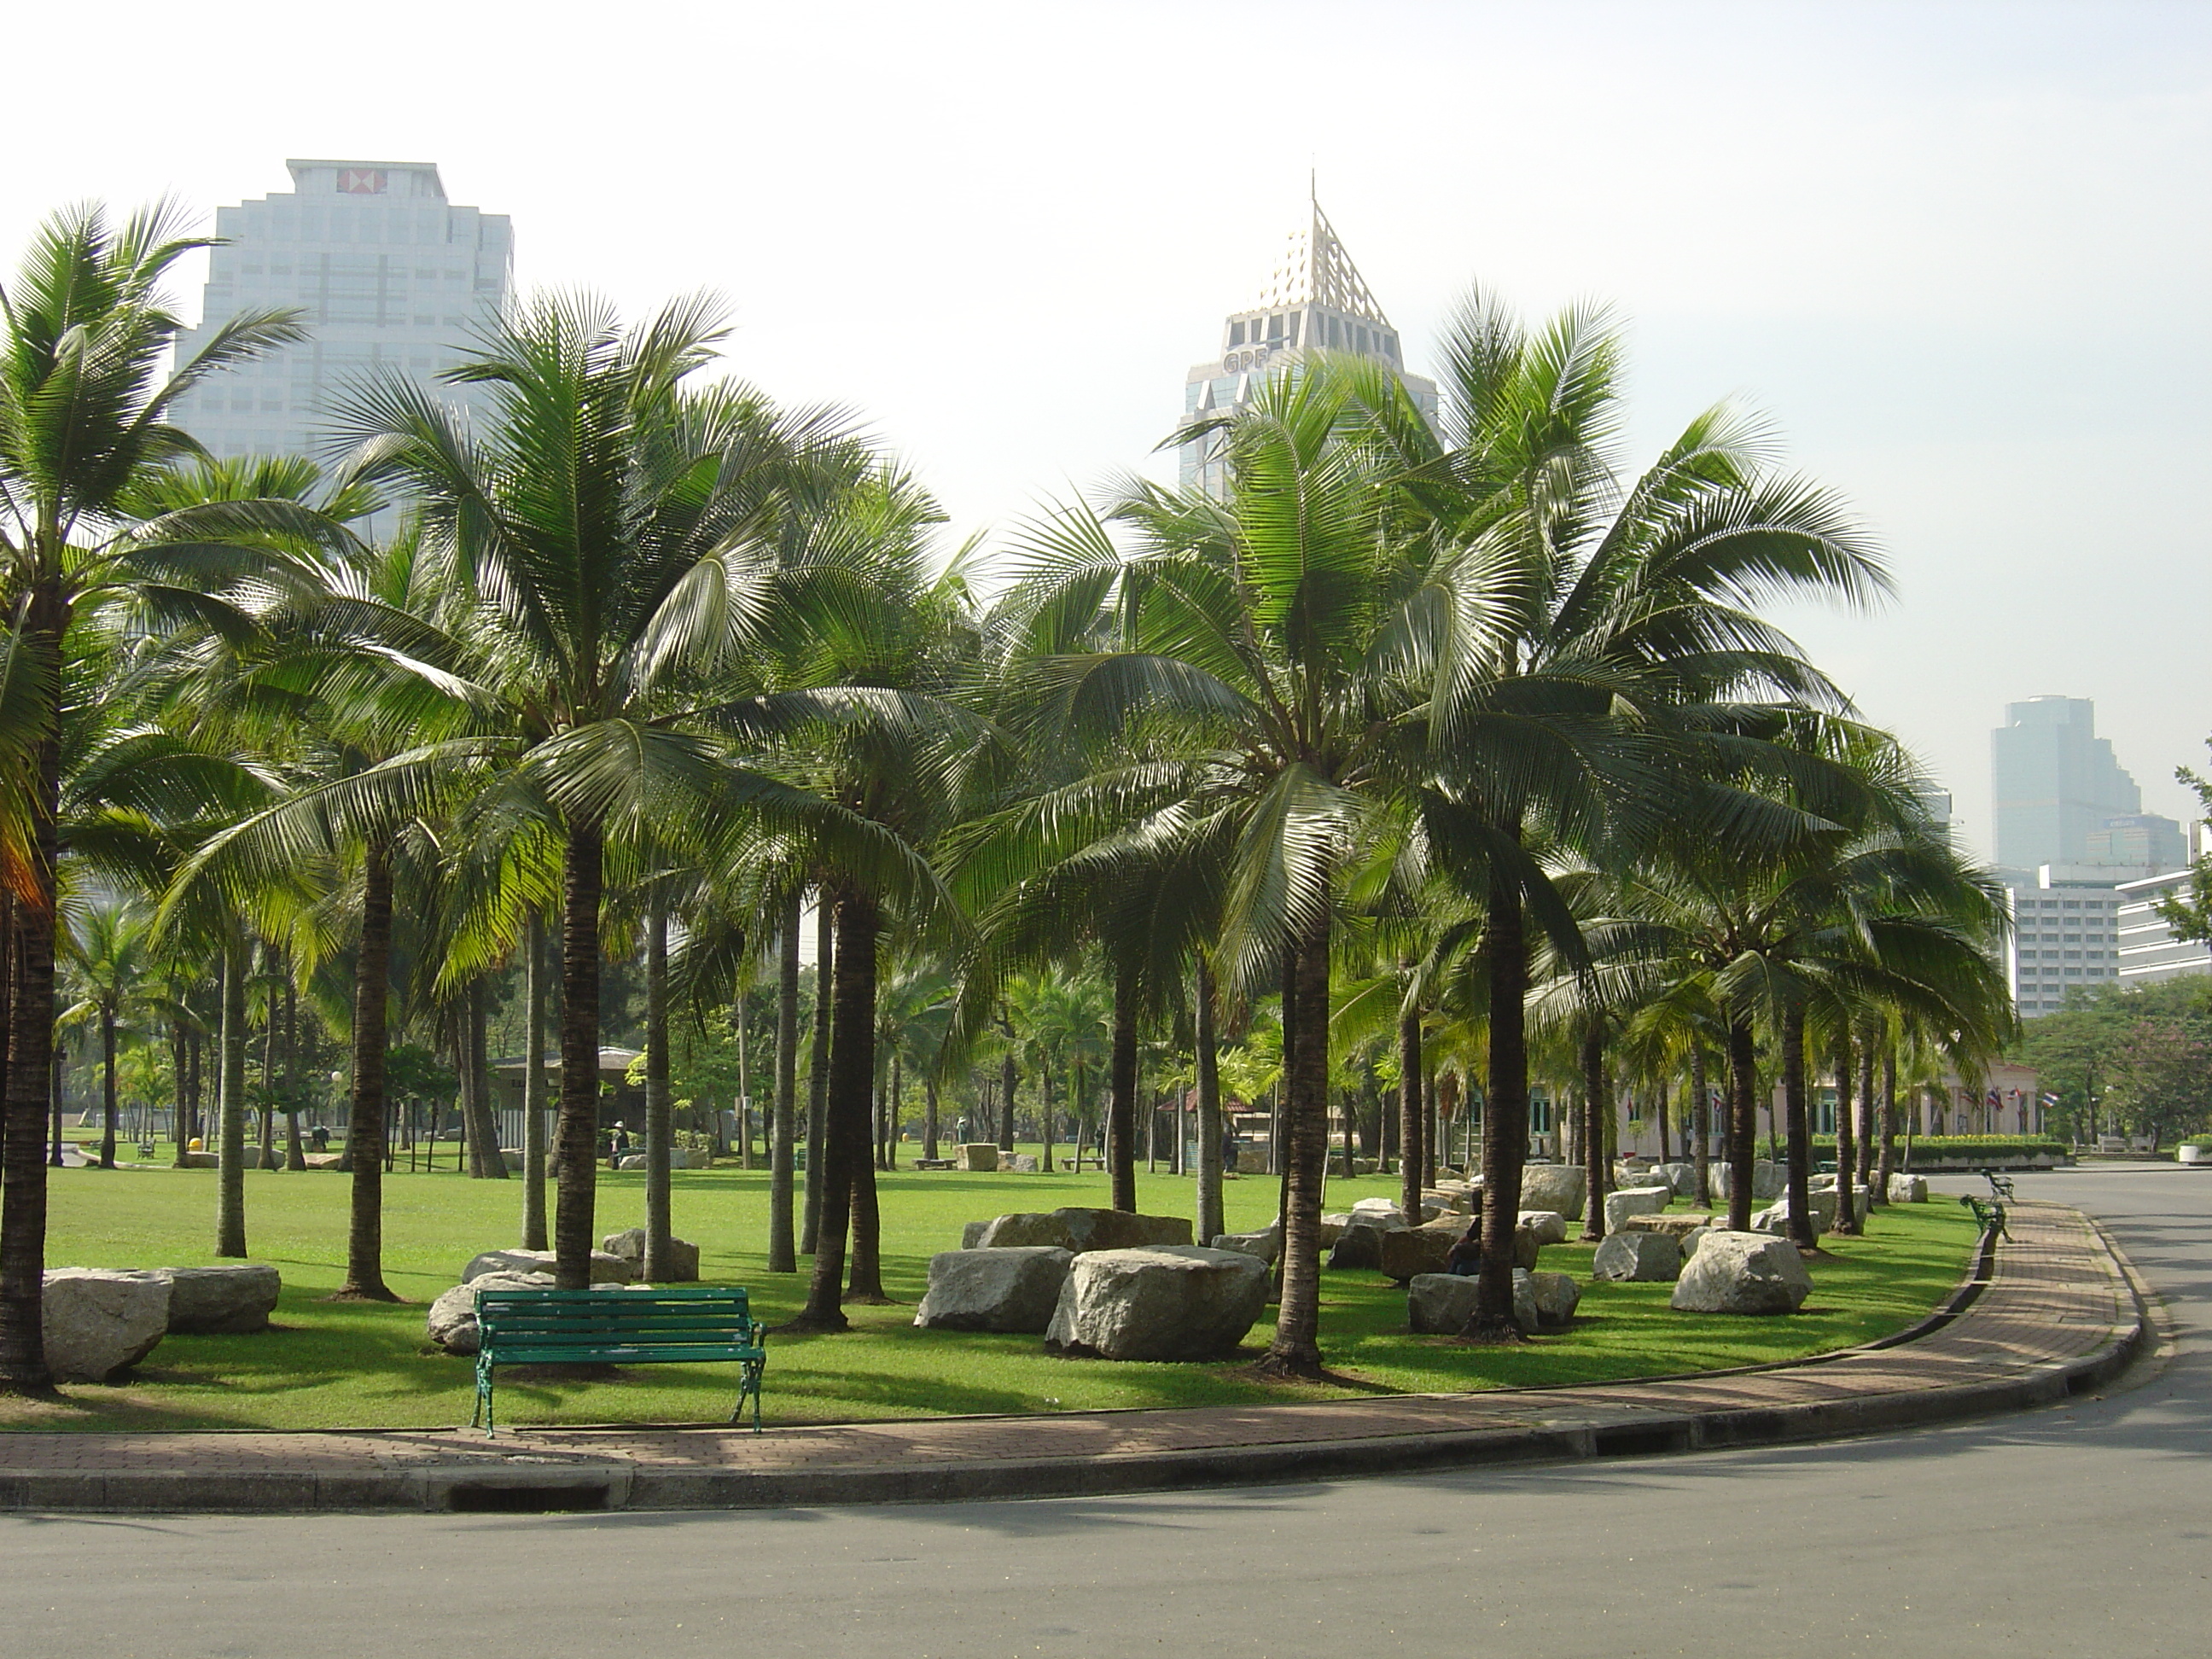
{"x": 2082, "y": 1530}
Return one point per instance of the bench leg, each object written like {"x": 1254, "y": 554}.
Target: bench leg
{"x": 483, "y": 1400}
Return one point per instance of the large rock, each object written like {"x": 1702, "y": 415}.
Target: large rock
{"x": 972, "y": 1235}
{"x": 1079, "y": 1232}
{"x": 222, "y": 1300}
{"x": 1169, "y": 1302}
{"x": 1821, "y": 1206}
{"x": 1907, "y": 1188}
{"x": 1024, "y": 1163}
{"x": 1682, "y": 1177}
{"x": 1013, "y": 1288}
{"x": 452, "y": 1318}
{"x": 1410, "y": 1251}
{"x": 1549, "y": 1225}
{"x": 1766, "y": 1181}
{"x": 980, "y": 1159}
{"x": 1332, "y": 1227}
{"x": 1677, "y": 1226}
{"x": 1635, "y": 1201}
{"x": 1742, "y": 1274}
{"x": 1452, "y": 1195}
{"x": 1382, "y": 1213}
{"x": 606, "y": 1268}
{"x": 97, "y": 1321}
{"x": 683, "y": 1255}
{"x": 1358, "y": 1245}
{"x": 1544, "y": 1301}
{"x": 1439, "y": 1304}
{"x": 1266, "y": 1244}
{"x": 1639, "y": 1258}
{"x": 1561, "y": 1187}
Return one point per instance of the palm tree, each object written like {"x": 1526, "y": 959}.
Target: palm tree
{"x": 1592, "y": 636}
{"x": 110, "y": 950}
{"x": 84, "y": 398}
{"x": 607, "y": 537}
{"x": 1234, "y": 682}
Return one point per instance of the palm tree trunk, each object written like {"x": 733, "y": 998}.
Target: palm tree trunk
{"x": 866, "y": 1283}
{"x": 266, "y": 1159}
{"x": 364, "y": 1278}
{"x": 1846, "y": 1143}
{"x": 1701, "y": 1125}
{"x": 30, "y": 1055}
{"x": 852, "y": 1071}
{"x": 782, "y": 1254}
{"x": 929, "y": 1117}
{"x": 577, "y": 1138}
{"x": 1207, "y": 1065}
{"x": 295, "y": 1155}
{"x": 108, "y": 1113}
{"x": 1122, "y": 1093}
{"x": 818, "y": 1071}
{"x": 1799, "y": 1142}
{"x": 1743, "y": 1120}
{"x": 1666, "y": 1140}
{"x": 1504, "y": 1112}
{"x": 533, "y": 1085}
{"x": 1887, "y": 1167}
{"x": 230, "y": 1108}
{"x": 659, "y": 1118}
{"x": 486, "y": 1162}
{"x": 1008, "y": 1078}
{"x": 180, "y": 1062}
{"x": 1411, "y": 1125}
{"x": 1596, "y": 1108}
{"x": 1866, "y": 1123}
{"x": 1295, "y": 1350}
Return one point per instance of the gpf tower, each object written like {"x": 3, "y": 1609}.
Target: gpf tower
{"x": 389, "y": 274}
{"x": 1317, "y": 301}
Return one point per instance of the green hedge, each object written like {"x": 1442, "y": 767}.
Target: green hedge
{"x": 1991, "y": 1149}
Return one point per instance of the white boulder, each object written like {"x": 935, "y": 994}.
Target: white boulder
{"x": 607, "y": 1268}
{"x": 1767, "y": 1179}
{"x": 1380, "y": 1212}
{"x": 1078, "y": 1231}
{"x": 1167, "y": 1302}
{"x": 1635, "y": 1201}
{"x": 1439, "y": 1304}
{"x": 1016, "y": 1288}
{"x": 1549, "y": 1226}
{"x": 1561, "y": 1187}
{"x": 683, "y": 1255}
{"x": 1266, "y": 1244}
{"x": 1907, "y": 1188}
{"x": 453, "y": 1319}
{"x": 97, "y": 1321}
{"x": 1742, "y": 1274}
{"x": 1544, "y": 1301}
{"x": 226, "y": 1300}
{"x": 1639, "y": 1258}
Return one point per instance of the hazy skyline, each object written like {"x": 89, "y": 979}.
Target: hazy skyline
{"x": 1956, "y": 253}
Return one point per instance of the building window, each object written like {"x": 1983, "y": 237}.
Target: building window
{"x": 1236, "y": 334}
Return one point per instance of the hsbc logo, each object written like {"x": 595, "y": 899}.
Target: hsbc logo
{"x": 361, "y": 181}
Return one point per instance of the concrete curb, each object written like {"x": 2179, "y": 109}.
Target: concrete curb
{"x": 581, "y": 1481}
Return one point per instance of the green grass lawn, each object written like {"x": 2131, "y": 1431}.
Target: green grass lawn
{"x": 331, "y": 1365}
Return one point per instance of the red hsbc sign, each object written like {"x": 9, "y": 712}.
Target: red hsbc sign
{"x": 361, "y": 181}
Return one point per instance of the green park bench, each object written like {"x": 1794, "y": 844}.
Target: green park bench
{"x": 619, "y": 1328}
{"x": 1988, "y": 1215}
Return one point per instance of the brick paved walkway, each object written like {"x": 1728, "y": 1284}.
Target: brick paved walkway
{"x": 2056, "y": 1312}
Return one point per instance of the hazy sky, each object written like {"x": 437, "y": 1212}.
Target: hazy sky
{"x": 1958, "y": 252}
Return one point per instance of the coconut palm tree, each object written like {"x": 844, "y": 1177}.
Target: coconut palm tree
{"x": 109, "y": 949}
{"x": 85, "y": 391}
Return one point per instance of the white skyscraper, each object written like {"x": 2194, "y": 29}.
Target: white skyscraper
{"x": 388, "y": 273}
{"x": 1317, "y": 301}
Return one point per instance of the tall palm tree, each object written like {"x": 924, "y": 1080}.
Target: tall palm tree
{"x": 113, "y": 961}
{"x": 607, "y": 533}
{"x": 84, "y": 401}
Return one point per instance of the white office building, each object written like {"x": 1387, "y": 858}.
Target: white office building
{"x": 2148, "y": 950}
{"x": 390, "y": 274}
{"x": 2065, "y": 933}
{"x": 1317, "y": 301}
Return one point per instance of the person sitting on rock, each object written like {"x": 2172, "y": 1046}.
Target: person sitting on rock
{"x": 1466, "y": 1257}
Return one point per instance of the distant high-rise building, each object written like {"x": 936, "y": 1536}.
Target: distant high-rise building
{"x": 2065, "y": 936}
{"x": 1317, "y": 301}
{"x": 2054, "y": 782}
{"x": 390, "y": 276}
{"x": 2141, "y": 839}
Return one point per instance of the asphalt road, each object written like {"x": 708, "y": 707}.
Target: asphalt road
{"x": 2085, "y": 1529}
